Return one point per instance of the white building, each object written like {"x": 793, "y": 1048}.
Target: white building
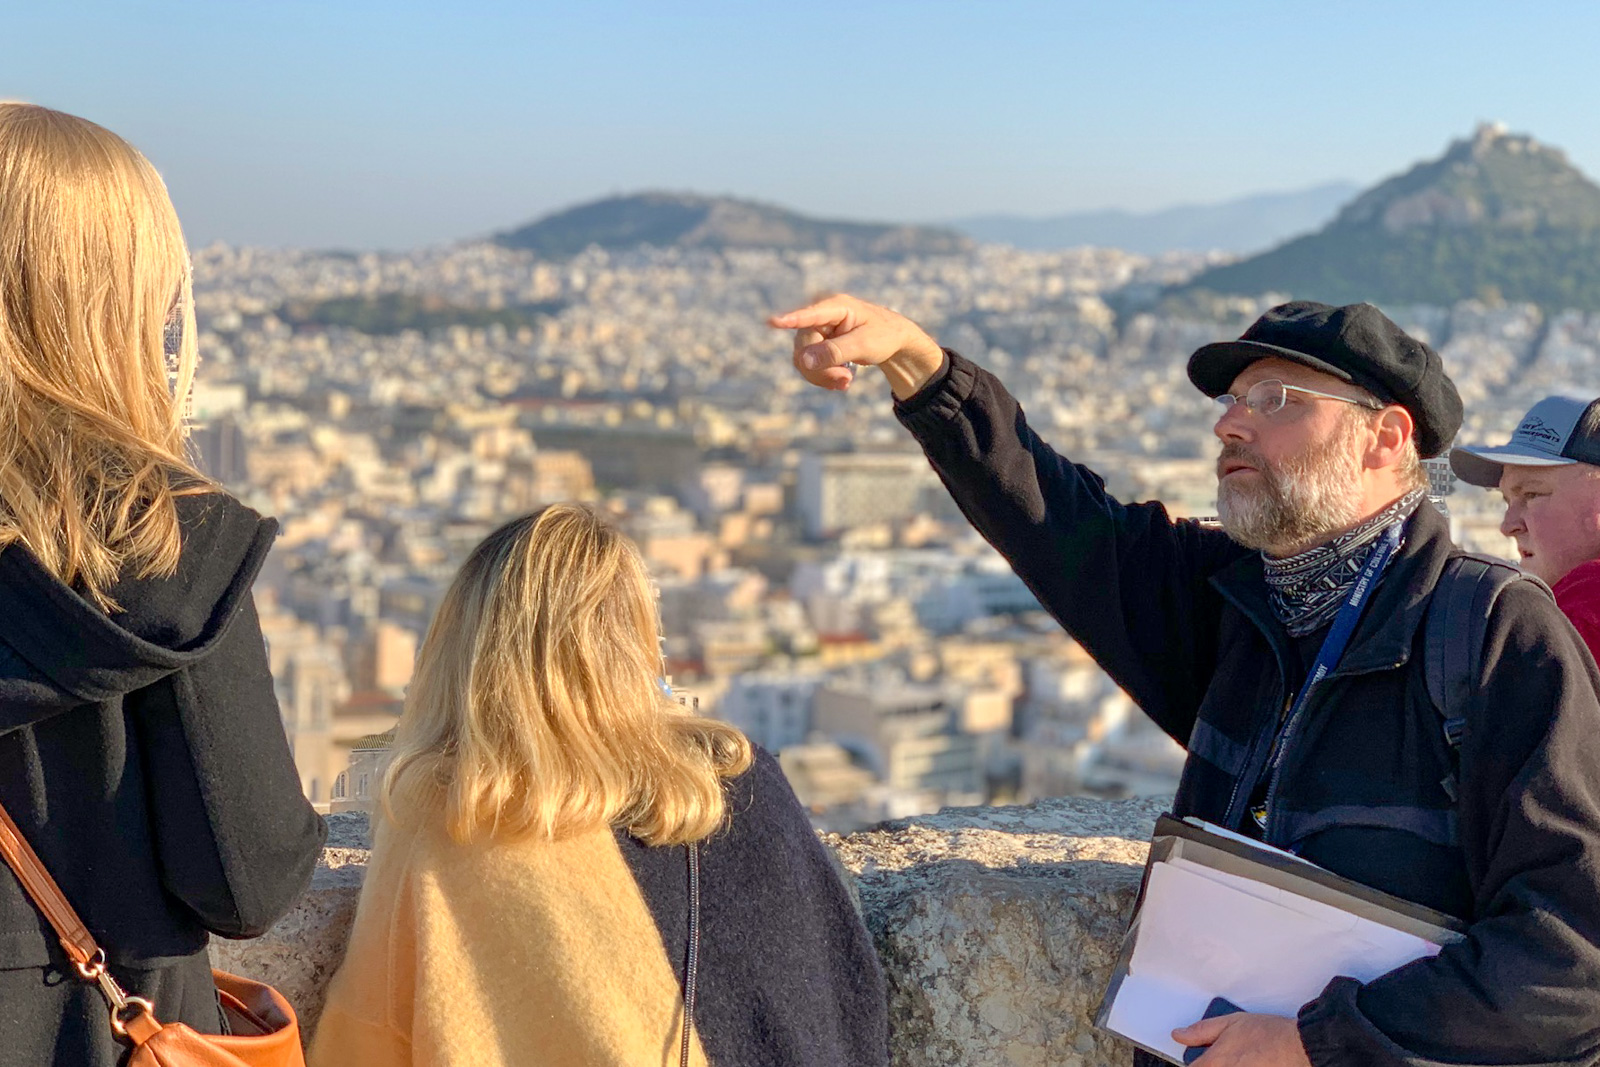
{"x": 843, "y": 490}
{"x": 948, "y": 590}
{"x": 909, "y": 734}
{"x": 356, "y": 788}
{"x": 984, "y": 586}
{"x": 773, "y": 709}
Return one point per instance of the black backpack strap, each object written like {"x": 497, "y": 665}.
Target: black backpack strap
{"x": 1456, "y": 628}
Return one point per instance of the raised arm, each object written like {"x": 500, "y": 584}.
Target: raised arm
{"x": 1125, "y": 580}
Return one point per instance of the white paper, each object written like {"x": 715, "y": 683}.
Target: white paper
{"x": 1205, "y": 933}
{"x": 1237, "y": 837}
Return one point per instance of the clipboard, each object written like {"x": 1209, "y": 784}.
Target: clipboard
{"x": 1211, "y": 906}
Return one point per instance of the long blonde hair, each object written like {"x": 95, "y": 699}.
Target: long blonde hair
{"x": 92, "y": 267}
{"x": 536, "y": 706}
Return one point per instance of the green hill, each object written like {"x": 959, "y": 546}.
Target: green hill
{"x": 668, "y": 220}
{"x": 389, "y": 313}
{"x": 1498, "y": 214}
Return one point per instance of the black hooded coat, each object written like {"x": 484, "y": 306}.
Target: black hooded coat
{"x": 143, "y": 756}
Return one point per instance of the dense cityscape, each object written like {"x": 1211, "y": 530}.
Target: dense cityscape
{"x": 818, "y": 589}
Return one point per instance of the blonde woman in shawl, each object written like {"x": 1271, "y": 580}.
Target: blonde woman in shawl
{"x": 565, "y": 855}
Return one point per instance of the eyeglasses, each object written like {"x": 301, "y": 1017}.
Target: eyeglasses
{"x": 1269, "y": 397}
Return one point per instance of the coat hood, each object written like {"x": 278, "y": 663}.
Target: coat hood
{"x": 59, "y": 650}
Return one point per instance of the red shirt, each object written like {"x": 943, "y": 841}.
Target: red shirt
{"x": 1578, "y": 595}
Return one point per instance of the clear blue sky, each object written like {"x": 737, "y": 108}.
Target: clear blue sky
{"x": 348, "y": 123}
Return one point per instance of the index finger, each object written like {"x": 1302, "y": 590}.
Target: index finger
{"x": 810, "y": 318}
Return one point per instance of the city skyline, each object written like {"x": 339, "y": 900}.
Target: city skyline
{"x": 812, "y": 570}
{"x": 355, "y": 126}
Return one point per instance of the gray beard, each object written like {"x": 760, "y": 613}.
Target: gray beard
{"x": 1302, "y": 503}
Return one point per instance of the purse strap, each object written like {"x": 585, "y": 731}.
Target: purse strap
{"x": 132, "y": 1017}
{"x": 691, "y": 960}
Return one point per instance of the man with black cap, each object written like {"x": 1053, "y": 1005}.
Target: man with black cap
{"x": 1324, "y": 570}
{"x": 1549, "y": 475}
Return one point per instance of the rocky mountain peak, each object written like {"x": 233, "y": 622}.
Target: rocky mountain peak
{"x": 1494, "y": 177}
{"x": 1495, "y": 212}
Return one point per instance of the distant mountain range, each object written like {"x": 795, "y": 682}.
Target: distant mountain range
{"x": 687, "y": 221}
{"x": 1247, "y": 224}
{"x": 1498, "y": 215}
{"x": 682, "y": 220}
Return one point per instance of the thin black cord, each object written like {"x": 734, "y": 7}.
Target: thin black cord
{"x": 692, "y": 959}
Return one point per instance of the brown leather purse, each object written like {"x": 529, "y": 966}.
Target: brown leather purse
{"x": 264, "y": 1033}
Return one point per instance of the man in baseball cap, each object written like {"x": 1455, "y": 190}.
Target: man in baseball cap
{"x": 1549, "y": 475}
{"x": 1234, "y": 642}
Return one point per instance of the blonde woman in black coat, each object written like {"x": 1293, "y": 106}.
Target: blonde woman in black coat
{"x": 141, "y": 750}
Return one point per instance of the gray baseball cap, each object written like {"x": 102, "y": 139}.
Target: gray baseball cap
{"x": 1557, "y": 431}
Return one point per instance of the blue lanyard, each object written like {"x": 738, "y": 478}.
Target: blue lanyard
{"x": 1333, "y": 646}
{"x": 1344, "y": 624}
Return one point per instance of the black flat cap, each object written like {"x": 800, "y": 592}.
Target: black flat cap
{"x": 1357, "y": 344}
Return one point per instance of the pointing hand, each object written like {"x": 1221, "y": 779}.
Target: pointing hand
{"x": 840, "y": 330}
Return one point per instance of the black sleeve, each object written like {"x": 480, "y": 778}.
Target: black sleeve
{"x": 237, "y": 839}
{"x": 1524, "y": 987}
{"x": 1128, "y": 582}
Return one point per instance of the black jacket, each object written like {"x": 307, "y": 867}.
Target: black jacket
{"x": 1177, "y": 614}
{"x": 787, "y": 972}
{"x": 143, "y": 756}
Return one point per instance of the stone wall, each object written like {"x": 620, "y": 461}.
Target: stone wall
{"x": 997, "y": 927}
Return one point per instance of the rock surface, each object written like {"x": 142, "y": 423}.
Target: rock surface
{"x": 997, "y": 927}
{"x": 299, "y": 955}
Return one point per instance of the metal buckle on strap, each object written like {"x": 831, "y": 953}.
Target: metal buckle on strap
{"x": 124, "y": 1008}
{"x": 96, "y": 966}
{"x": 132, "y": 1008}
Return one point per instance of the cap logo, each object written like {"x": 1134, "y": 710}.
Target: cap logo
{"x": 1534, "y": 428}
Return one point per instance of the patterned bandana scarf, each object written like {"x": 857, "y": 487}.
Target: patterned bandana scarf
{"x": 1306, "y": 589}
